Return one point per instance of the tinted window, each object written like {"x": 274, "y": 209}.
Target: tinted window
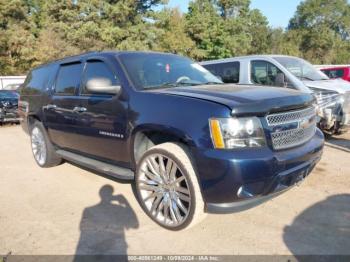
{"x": 38, "y": 79}
{"x": 154, "y": 70}
{"x": 228, "y": 72}
{"x": 98, "y": 69}
{"x": 336, "y": 73}
{"x": 265, "y": 73}
{"x": 68, "y": 79}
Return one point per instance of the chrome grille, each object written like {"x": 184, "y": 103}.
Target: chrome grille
{"x": 291, "y": 138}
{"x": 290, "y": 117}
{"x": 290, "y": 129}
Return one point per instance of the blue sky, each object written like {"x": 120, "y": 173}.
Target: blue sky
{"x": 278, "y": 12}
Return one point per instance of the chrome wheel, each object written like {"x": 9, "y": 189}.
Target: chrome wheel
{"x": 164, "y": 190}
{"x": 38, "y": 146}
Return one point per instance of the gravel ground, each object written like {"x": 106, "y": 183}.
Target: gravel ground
{"x": 68, "y": 210}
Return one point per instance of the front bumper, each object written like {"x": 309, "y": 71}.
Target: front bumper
{"x": 283, "y": 182}
{"x": 239, "y": 179}
{"x": 335, "y": 116}
{"x": 9, "y": 116}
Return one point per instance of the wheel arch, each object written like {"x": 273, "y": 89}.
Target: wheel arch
{"x": 148, "y": 135}
{"x": 31, "y": 120}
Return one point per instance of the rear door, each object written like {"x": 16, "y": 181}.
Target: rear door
{"x": 103, "y": 120}
{"x": 60, "y": 111}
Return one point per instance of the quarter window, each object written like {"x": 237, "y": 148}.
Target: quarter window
{"x": 97, "y": 69}
{"x": 228, "y": 72}
{"x": 68, "y": 78}
{"x": 265, "y": 73}
{"x": 39, "y": 79}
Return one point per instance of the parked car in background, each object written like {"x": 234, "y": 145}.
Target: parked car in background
{"x": 8, "y": 107}
{"x": 333, "y": 96}
{"x": 190, "y": 143}
{"x": 7, "y": 82}
{"x": 342, "y": 72}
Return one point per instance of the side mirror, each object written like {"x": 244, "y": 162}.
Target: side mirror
{"x": 102, "y": 86}
{"x": 280, "y": 80}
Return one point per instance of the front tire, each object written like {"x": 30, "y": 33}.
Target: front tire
{"x": 43, "y": 151}
{"x": 167, "y": 187}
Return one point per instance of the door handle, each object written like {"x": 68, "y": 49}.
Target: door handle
{"x": 50, "y": 106}
{"x": 79, "y": 109}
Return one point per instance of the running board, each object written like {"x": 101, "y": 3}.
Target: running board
{"x": 108, "y": 169}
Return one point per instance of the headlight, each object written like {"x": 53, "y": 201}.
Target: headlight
{"x": 230, "y": 133}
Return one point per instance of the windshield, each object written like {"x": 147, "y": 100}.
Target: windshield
{"x": 301, "y": 69}
{"x": 8, "y": 94}
{"x": 12, "y": 87}
{"x": 152, "y": 70}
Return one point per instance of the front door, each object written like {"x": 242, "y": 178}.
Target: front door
{"x": 103, "y": 120}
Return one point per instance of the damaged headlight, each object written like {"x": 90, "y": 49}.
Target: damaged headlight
{"x": 327, "y": 99}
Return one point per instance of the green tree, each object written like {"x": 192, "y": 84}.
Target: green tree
{"x": 233, "y": 8}
{"x": 16, "y": 38}
{"x": 324, "y": 27}
{"x": 206, "y": 28}
{"x": 282, "y": 42}
{"x": 172, "y": 36}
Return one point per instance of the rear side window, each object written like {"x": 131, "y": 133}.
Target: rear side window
{"x": 68, "y": 79}
{"x": 334, "y": 73}
{"x": 38, "y": 80}
{"x": 97, "y": 69}
{"x": 228, "y": 72}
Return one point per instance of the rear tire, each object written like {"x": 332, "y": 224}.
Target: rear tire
{"x": 167, "y": 187}
{"x": 43, "y": 151}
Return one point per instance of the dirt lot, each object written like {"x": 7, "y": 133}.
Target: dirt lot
{"x": 59, "y": 211}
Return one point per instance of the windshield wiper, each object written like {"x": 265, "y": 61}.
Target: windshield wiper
{"x": 181, "y": 84}
{"x": 212, "y": 83}
{"x": 165, "y": 85}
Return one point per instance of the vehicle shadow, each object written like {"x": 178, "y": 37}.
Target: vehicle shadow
{"x": 103, "y": 227}
{"x": 322, "y": 229}
{"x": 339, "y": 143}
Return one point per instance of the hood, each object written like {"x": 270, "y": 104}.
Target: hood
{"x": 8, "y": 102}
{"x": 339, "y": 85}
{"x": 246, "y": 100}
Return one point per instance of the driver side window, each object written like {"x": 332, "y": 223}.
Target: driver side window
{"x": 267, "y": 74}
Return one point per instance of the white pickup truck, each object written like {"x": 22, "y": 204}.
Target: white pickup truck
{"x": 333, "y": 96}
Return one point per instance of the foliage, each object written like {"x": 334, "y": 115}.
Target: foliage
{"x": 36, "y": 31}
{"x": 324, "y": 28}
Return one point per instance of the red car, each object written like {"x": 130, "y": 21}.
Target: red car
{"x": 338, "y": 72}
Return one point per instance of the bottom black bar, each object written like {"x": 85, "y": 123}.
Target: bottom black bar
{"x": 175, "y": 258}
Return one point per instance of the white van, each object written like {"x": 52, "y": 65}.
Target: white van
{"x": 333, "y": 96}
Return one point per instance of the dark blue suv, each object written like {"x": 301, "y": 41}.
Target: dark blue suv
{"x": 190, "y": 143}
